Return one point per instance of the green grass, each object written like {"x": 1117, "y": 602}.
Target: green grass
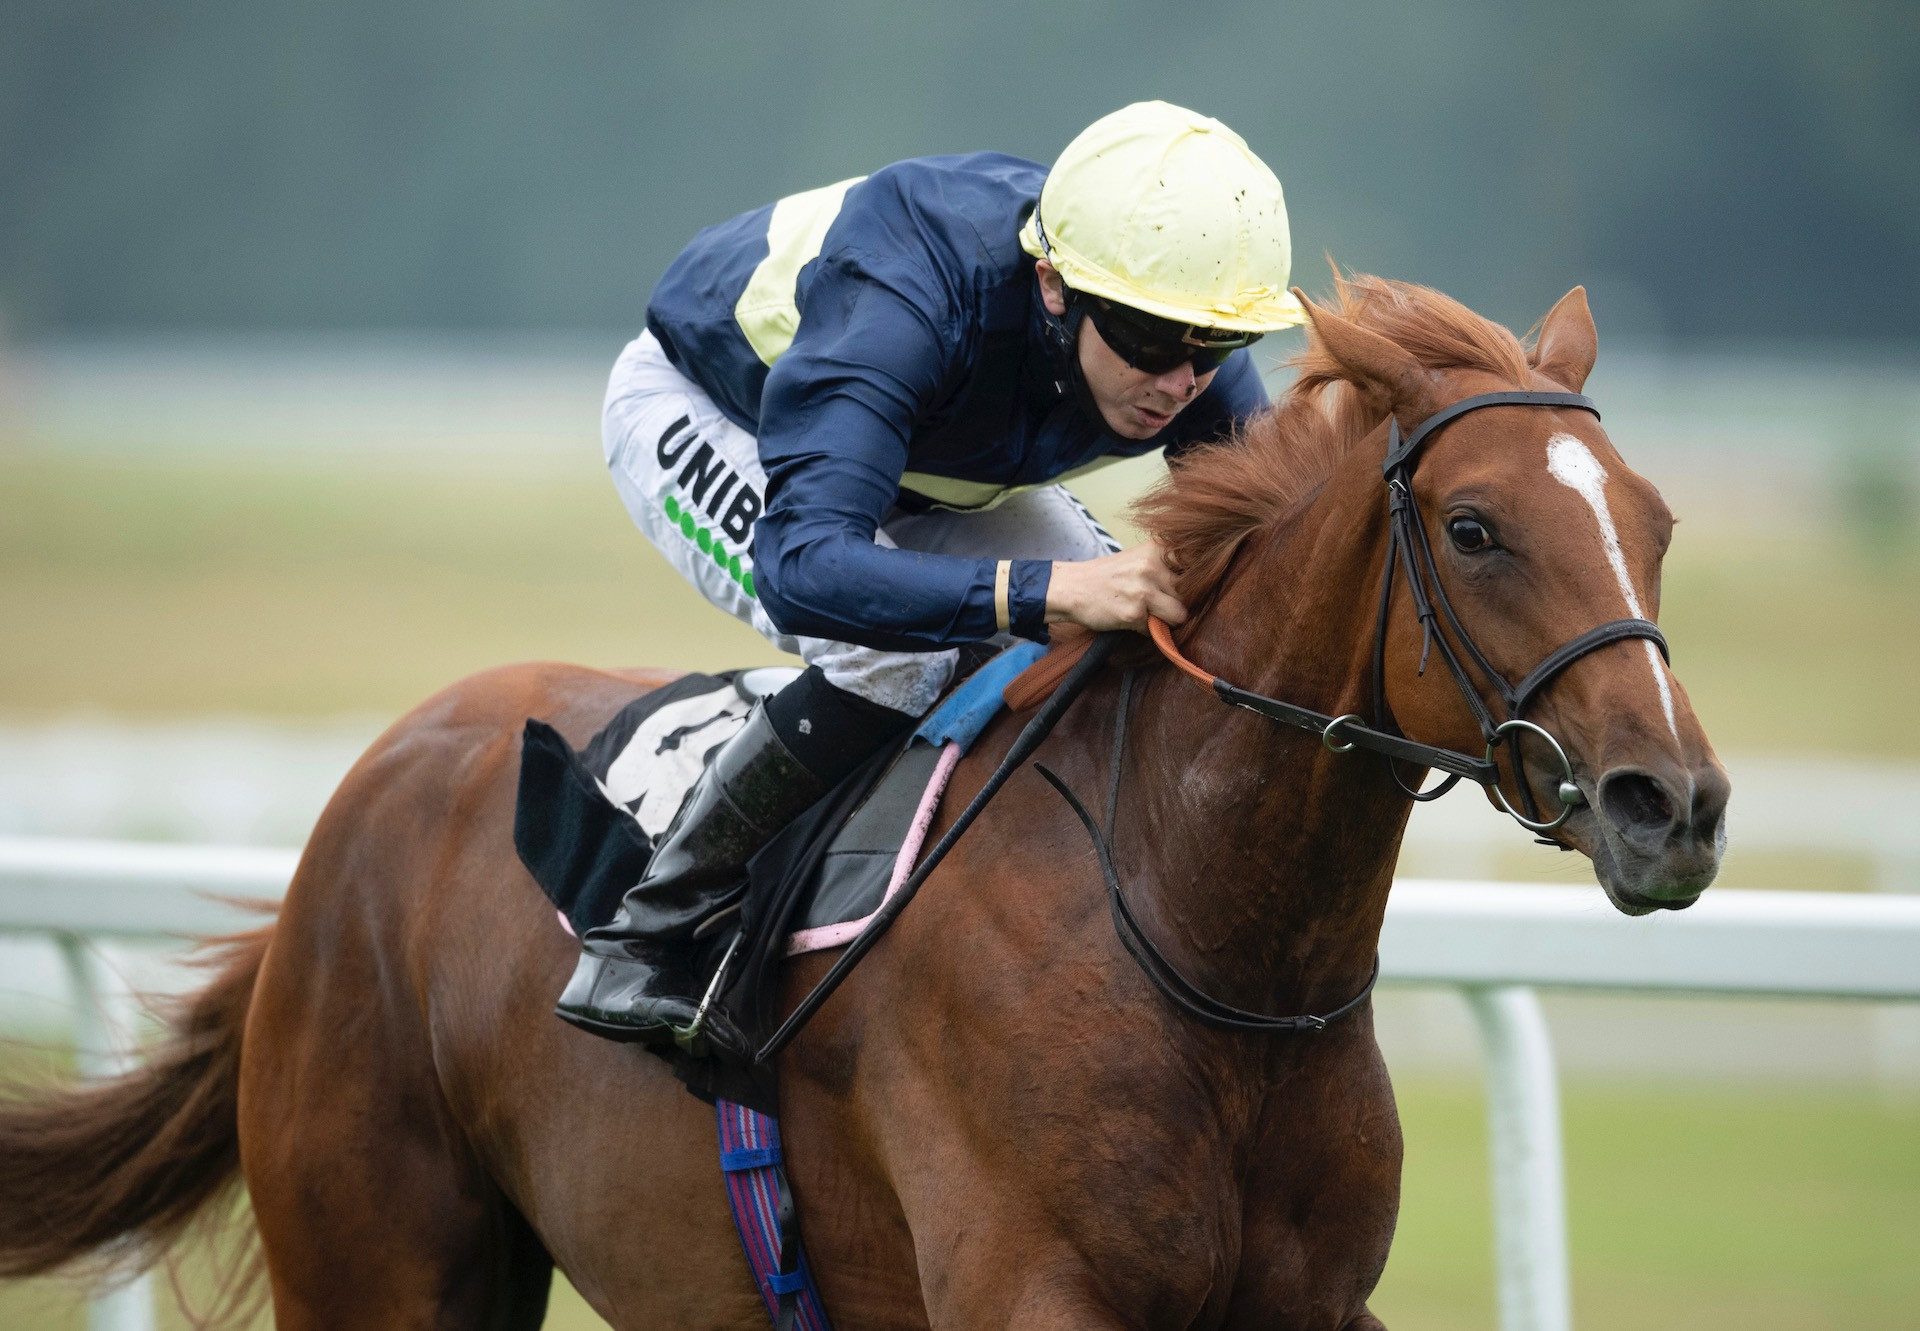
{"x": 242, "y": 582}
{"x": 1793, "y": 1211}
{"x": 1688, "y": 1208}
{"x": 240, "y": 585}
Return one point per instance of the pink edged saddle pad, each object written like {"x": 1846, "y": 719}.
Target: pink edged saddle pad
{"x": 895, "y": 816}
{"x": 821, "y": 936}
{"x": 587, "y": 821}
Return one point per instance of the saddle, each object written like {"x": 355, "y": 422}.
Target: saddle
{"x": 586, "y": 821}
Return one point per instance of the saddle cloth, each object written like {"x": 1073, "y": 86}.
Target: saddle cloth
{"x": 586, "y": 822}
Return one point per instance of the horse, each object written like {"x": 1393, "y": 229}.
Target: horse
{"x": 999, "y": 1119}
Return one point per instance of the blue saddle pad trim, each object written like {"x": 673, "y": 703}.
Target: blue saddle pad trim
{"x": 969, "y": 708}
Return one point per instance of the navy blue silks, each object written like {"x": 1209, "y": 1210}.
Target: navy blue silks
{"x": 920, "y": 349}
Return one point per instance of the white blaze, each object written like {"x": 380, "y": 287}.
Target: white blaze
{"x": 1573, "y": 464}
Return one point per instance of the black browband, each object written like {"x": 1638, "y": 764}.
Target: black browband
{"x": 1410, "y": 554}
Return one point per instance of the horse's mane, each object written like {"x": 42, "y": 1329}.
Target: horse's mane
{"x": 1214, "y": 497}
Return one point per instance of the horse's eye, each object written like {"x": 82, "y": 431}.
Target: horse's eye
{"x": 1469, "y": 534}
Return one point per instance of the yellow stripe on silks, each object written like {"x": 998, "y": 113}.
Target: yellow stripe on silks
{"x": 949, "y": 492}
{"x": 973, "y": 496}
{"x": 767, "y": 311}
{"x": 1002, "y": 587}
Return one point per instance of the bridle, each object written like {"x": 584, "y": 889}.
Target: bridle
{"x": 1410, "y": 553}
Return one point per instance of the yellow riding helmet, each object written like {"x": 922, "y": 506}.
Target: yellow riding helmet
{"x": 1168, "y": 211}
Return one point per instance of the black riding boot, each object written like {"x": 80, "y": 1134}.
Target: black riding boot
{"x": 638, "y": 977}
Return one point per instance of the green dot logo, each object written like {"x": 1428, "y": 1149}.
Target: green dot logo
{"x": 709, "y": 543}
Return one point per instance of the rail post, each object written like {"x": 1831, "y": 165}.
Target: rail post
{"x": 1523, "y": 1130}
{"x": 105, "y": 1014}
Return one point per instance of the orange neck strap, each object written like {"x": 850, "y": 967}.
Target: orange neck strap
{"x": 1163, "y": 639}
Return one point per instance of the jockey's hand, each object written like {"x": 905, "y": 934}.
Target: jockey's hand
{"x": 1115, "y": 592}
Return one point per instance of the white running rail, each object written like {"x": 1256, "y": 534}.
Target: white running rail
{"x": 1493, "y": 942}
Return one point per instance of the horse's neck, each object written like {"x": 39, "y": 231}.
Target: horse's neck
{"x": 1262, "y": 857}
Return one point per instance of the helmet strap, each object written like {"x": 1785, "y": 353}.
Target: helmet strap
{"x": 1063, "y": 342}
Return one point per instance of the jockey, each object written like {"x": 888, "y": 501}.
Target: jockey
{"x": 846, "y": 422}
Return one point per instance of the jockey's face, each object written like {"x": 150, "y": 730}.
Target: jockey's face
{"x": 1134, "y": 403}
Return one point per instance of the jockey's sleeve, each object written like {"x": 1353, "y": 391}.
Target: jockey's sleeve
{"x": 871, "y": 355}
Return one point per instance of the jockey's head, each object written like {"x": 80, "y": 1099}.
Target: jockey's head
{"x": 1161, "y": 246}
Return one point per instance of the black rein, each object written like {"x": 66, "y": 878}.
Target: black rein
{"x": 1183, "y": 993}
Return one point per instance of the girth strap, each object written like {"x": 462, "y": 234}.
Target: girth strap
{"x": 765, "y": 1216}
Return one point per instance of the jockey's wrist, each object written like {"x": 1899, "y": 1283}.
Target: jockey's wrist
{"x": 1065, "y": 593}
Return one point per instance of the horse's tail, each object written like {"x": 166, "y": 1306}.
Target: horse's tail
{"x": 125, "y": 1164}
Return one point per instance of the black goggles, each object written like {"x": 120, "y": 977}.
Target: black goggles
{"x": 1154, "y": 345}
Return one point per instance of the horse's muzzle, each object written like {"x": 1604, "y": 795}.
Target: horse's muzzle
{"x": 1664, "y": 832}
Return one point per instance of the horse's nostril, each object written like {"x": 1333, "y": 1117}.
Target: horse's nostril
{"x": 1710, "y": 792}
{"x": 1636, "y": 804}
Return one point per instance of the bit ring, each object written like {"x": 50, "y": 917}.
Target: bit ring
{"x": 1565, "y": 789}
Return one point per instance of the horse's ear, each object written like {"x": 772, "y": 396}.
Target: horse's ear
{"x": 1379, "y": 365}
{"x": 1568, "y": 342}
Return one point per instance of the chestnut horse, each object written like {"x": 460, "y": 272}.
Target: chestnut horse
{"x": 997, "y": 1121}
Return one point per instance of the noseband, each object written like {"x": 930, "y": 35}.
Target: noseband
{"x": 1411, "y": 554}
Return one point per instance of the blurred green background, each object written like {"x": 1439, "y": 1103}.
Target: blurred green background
{"x": 1720, "y": 168}
{"x": 305, "y": 312}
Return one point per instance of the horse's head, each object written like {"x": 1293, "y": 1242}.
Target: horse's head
{"x": 1538, "y": 532}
